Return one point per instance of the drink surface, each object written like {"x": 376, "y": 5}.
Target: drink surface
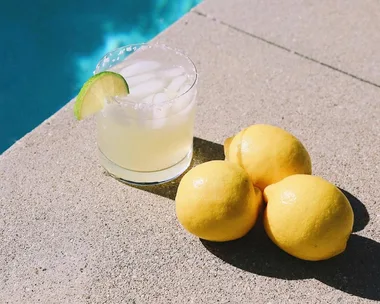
{"x": 151, "y": 129}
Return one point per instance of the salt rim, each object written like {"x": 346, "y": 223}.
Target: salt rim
{"x": 122, "y": 100}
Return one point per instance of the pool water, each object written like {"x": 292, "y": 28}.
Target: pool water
{"x": 50, "y": 48}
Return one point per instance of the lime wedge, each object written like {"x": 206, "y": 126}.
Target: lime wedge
{"x": 92, "y": 95}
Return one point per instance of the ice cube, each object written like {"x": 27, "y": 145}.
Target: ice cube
{"x": 119, "y": 113}
{"x": 171, "y": 73}
{"x": 139, "y": 67}
{"x": 159, "y": 110}
{"x": 160, "y": 97}
{"x": 160, "y": 116}
{"x": 184, "y": 89}
{"x": 149, "y": 99}
{"x": 147, "y": 88}
{"x": 156, "y": 98}
{"x": 182, "y": 101}
{"x": 135, "y": 80}
{"x": 126, "y": 100}
{"x": 176, "y": 84}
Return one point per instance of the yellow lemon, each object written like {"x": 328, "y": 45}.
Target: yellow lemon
{"x": 268, "y": 154}
{"x": 308, "y": 217}
{"x": 216, "y": 201}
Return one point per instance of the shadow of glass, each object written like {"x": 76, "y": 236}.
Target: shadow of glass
{"x": 361, "y": 216}
{"x": 203, "y": 151}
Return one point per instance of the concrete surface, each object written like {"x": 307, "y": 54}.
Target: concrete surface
{"x": 342, "y": 34}
{"x": 71, "y": 234}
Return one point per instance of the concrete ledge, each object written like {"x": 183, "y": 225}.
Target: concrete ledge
{"x": 341, "y": 34}
{"x": 70, "y": 234}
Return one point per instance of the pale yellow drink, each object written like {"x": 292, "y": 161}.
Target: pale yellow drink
{"x": 147, "y": 136}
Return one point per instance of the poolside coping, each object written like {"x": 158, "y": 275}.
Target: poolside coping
{"x": 71, "y": 234}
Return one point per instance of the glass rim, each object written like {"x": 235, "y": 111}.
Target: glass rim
{"x": 123, "y": 99}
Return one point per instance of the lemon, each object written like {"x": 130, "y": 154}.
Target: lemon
{"x": 268, "y": 154}
{"x": 216, "y": 201}
{"x": 308, "y": 217}
{"x": 92, "y": 95}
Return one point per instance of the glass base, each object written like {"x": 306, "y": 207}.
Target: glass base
{"x": 145, "y": 178}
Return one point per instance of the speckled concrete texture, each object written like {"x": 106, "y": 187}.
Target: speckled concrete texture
{"x": 71, "y": 234}
{"x": 339, "y": 33}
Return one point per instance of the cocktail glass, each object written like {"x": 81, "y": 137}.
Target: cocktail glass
{"x": 146, "y": 137}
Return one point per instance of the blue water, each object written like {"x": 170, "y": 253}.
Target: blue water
{"x": 50, "y": 47}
